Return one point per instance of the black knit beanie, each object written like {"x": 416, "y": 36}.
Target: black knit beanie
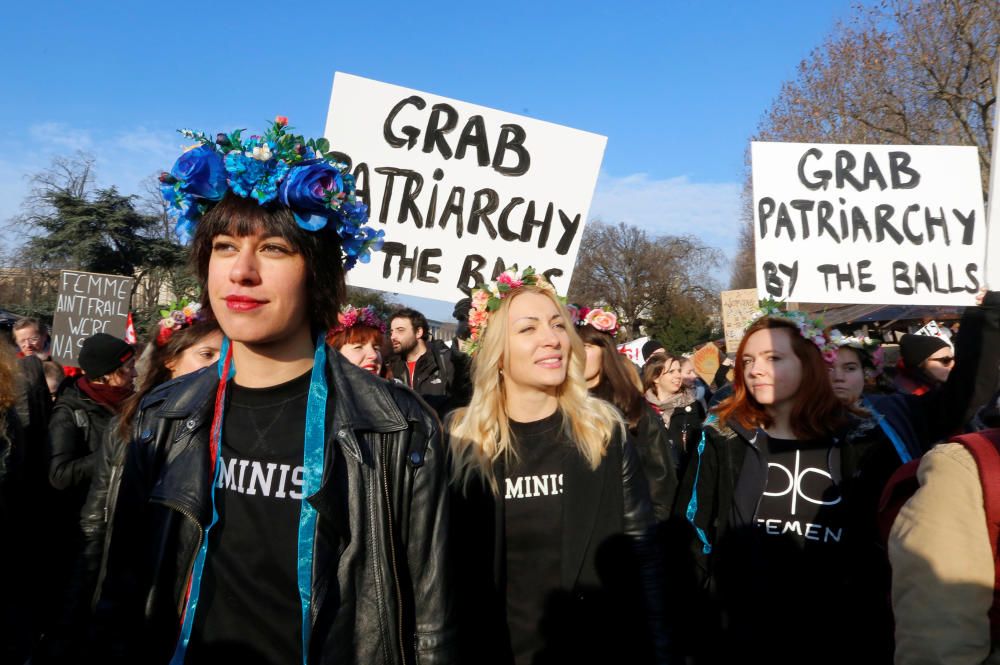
{"x": 915, "y": 349}
{"x": 649, "y": 348}
{"x": 102, "y": 354}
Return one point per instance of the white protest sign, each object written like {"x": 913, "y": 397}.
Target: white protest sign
{"x": 461, "y": 191}
{"x": 868, "y": 224}
{"x": 633, "y": 350}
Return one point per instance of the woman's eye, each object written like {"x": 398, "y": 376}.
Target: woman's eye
{"x": 222, "y": 246}
{"x": 276, "y": 249}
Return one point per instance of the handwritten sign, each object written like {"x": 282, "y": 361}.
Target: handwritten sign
{"x": 88, "y": 303}
{"x": 868, "y": 224}
{"x": 633, "y": 350}
{"x": 461, "y": 191}
{"x": 738, "y": 308}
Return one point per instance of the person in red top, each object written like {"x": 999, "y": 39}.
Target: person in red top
{"x": 31, "y": 338}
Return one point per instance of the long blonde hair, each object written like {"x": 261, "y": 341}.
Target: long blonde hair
{"x": 480, "y": 434}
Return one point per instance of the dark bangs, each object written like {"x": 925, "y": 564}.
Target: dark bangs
{"x": 240, "y": 217}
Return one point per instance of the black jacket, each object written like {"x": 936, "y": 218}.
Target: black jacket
{"x": 720, "y": 495}
{"x": 652, "y": 443}
{"x": 381, "y": 579}
{"x": 611, "y": 585}
{"x": 75, "y": 431}
{"x": 441, "y": 375}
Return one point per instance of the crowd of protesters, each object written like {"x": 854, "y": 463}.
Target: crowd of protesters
{"x": 277, "y": 476}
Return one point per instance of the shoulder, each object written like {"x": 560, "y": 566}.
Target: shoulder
{"x": 183, "y": 396}
{"x": 951, "y": 460}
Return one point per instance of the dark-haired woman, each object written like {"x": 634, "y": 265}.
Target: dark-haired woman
{"x": 677, "y": 405}
{"x": 182, "y": 343}
{"x": 610, "y": 376}
{"x": 782, "y": 493}
{"x": 285, "y": 506}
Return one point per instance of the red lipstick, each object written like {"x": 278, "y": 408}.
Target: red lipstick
{"x": 243, "y": 303}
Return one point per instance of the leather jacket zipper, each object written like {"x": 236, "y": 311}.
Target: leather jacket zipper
{"x": 194, "y": 557}
{"x": 392, "y": 544}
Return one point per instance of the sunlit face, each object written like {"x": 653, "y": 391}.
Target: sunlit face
{"x": 688, "y": 375}
{"x": 366, "y": 356}
{"x": 202, "y": 353}
{"x": 257, "y": 286}
{"x": 402, "y": 335}
{"x": 771, "y": 369}
{"x": 537, "y": 350}
{"x": 670, "y": 382}
{"x": 940, "y": 363}
{"x": 847, "y": 376}
{"x": 595, "y": 364}
{"x": 30, "y": 341}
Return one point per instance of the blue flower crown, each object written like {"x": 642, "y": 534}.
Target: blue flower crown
{"x": 301, "y": 174}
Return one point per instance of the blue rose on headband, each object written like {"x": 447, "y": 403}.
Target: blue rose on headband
{"x": 200, "y": 172}
{"x": 315, "y": 192}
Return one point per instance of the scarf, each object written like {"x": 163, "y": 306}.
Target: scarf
{"x": 110, "y": 397}
{"x": 684, "y": 397}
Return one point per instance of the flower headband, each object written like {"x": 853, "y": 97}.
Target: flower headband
{"x": 869, "y": 348}
{"x": 597, "y": 318}
{"x": 810, "y": 329}
{"x": 177, "y": 317}
{"x": 350, "y": 316}
{"x": 301, "y": 174}
{"x": 486, "y": 299}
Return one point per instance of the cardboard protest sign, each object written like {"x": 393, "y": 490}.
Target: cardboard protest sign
{"x": 88, "y": 303}
{"x": 868, "y": 224}
{"x": 633, "y": 350}
{"x": 738, "y": 307}
{"x": 461, "y": 191}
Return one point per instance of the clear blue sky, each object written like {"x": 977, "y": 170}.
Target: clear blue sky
{"x": 676, "y": 87}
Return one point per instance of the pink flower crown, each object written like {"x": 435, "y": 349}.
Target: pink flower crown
{"x": 595, "y": 317}
{"x": 177, "y": 317}
{"x": 486, "y": 299}
{"x": 350, "y": 316}
{"x": 810, "y": 329}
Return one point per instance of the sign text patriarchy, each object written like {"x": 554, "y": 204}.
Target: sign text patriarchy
{"x": 461, "y": 191}
{"x": 868, "y": 224}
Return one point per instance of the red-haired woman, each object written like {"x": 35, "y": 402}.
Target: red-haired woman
{"x": 782, "y": 493}
{"x": 358, "y": 336}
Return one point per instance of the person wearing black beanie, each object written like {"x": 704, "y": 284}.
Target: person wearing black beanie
{"x": 926, "y": 362}
{"x": 649, "y": 348}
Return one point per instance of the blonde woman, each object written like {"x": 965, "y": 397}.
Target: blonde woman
{"x": 548, "y": 490}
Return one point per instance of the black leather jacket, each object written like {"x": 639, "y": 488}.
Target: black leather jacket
{"x": 381, "y": 579}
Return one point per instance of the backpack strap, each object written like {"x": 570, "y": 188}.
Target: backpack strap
{"x": 985, "y": 449}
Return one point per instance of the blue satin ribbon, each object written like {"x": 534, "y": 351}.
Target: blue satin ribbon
{"x": 313, "y": 458}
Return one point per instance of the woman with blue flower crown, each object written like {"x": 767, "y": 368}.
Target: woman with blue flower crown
{"x": 285, "y": 505}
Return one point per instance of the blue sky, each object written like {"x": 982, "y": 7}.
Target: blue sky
{"x": 678, "y": 88}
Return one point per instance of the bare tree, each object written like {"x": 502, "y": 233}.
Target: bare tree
{"x": 623, "y": 267}
{"x": 904, "y": 71}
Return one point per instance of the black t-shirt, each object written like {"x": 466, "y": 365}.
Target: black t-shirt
{"x": 533, "y": 512}
{"x": 249, "y": 610}
{"x": 785, "y": 581}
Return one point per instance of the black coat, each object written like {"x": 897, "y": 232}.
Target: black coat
{"x": 441, "y": 376}
{"x": 720, "y": 495}
{"x": 610, "y": 586}
{"x": 384, "y": 594}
